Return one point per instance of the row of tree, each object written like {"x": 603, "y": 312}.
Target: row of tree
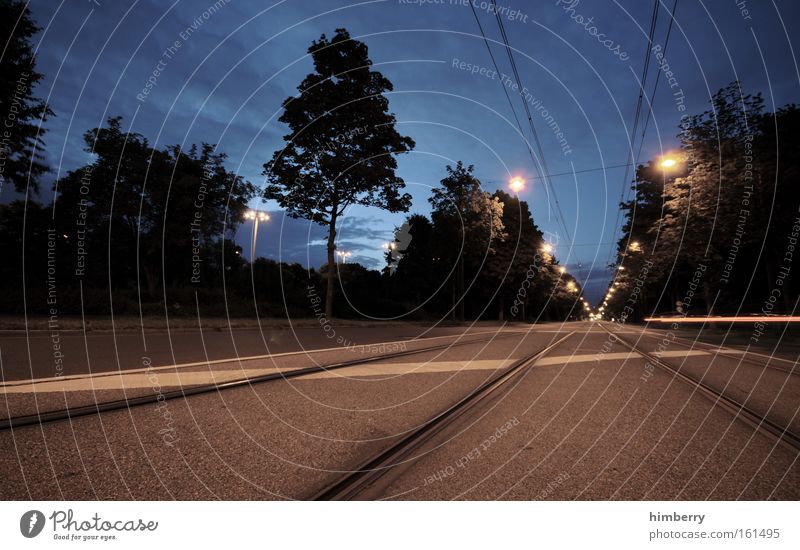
{"x": 479, "y": 255}
{"x": 140, "y": 229}
{"x": 715, "y": 233}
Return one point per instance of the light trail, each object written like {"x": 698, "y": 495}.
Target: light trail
{"x": 731, "y": 319}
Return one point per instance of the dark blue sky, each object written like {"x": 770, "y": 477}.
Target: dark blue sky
{"x": 235, "y": 64}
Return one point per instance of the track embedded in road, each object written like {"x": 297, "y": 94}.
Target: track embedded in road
{"x": 98, "y": 408}
{"x": 375, "y": 469}
{"x": 740, "y": 411}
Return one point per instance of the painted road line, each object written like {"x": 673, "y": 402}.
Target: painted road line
{"x": 250, "y": 358}
{"x": 140, "y": 380}
{"x": 184, "y": 379}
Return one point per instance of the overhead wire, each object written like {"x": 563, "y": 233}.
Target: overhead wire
{"x": 540, "y": 160}
{"x": 546, "y": 171}
{"x": 637, "y": 114}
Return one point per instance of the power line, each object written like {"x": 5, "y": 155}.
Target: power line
{"x": 510, "y": 103}
{"x": 658, "y": 78}
{"x": 643, "y": 81}
{"x": 504, "y": 36}
{"x": 573, "y": 172}
{"x": 497, "y": 69}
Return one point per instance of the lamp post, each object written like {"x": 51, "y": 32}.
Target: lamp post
{"x": 257, "y": 216}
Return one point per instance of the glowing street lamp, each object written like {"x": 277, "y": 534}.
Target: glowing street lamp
{"x": 668, "y": 162}
{"x": 562, "y": 269}
{"x": 571, "y": 286}
{"x": 547, "y": 248}
{"x": 257, "y": 216}
{"x": 343, "y": 255}
{"x": 516, "y": 184}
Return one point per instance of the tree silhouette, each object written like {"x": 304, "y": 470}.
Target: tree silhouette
{"x": 21, "y": 163}
{"x": 468, "y": 226}
{"x": 340, "y": 151}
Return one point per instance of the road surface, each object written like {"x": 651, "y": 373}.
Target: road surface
{"x": 591, "y": 419}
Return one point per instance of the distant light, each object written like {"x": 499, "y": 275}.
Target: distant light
{"x": 548, "y": 248}
{"x": 562, "y": 269}
{"x": 516, "y": 184}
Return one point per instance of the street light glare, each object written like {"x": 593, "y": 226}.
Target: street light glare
{"x": 548, "y": 248}
{"x": 256, "y": 214}
{"x": 516, "y": 184}
{"x": 668, "y": 162}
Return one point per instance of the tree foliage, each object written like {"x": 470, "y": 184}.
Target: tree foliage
{"x": 21, "y": 161}
{"x": 706, "y": 231}
{"x": 341, "y": 145}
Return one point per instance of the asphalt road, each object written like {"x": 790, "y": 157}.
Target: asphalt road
{"x": 589, "y": 421}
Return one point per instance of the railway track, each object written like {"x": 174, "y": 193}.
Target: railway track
{"x": 744, "y": 356}
{"x": 767, "y": 427}
{"x": 98, "y": 408}
{"x": 376, "y": 469}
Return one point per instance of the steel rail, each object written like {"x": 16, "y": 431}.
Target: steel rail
{"x": 739, "y": 411}
{"x": 97, "y": 408}
{"x": 348, "y": 486}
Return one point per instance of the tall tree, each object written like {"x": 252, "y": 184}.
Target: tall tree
{"x": 340, "y": 151}
{"x": 465, "y": 214}
{"x": 21, "y": 163}
{"x": 417, "y": 277}
{"x": 516, "y": 256}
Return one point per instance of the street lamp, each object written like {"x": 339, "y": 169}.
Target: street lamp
{"x": 516, "y": 184}
{"x": 257, "y": 216}
{"x": 669, "y": 161}
{"x": 343, "y": 254}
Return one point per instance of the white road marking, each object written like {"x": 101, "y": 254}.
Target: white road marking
{"x": 183, "y": 379}
{"x": 391, "y": 369}
{"x": 178, "y": 379}
{"x": 251, "y": 358}
{"x": 585, "y": 358}
{"x": 680, "y": 353}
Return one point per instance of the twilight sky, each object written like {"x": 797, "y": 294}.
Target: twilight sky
{"x": 237, "y": 60}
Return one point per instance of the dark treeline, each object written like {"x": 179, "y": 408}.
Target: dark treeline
{"x": 715, "y": 233}
{"x": 141, "y": 230}
{"x": 479, "y": 255}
